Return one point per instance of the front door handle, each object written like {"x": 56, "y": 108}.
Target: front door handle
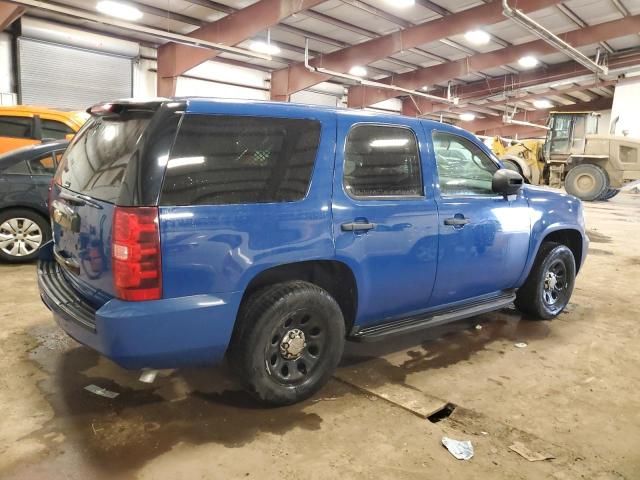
{"x": 456, "y": 222}
{"x": 357, "y": 227}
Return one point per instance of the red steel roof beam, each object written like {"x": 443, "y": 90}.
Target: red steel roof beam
{"x": 296, "y": 77}
{"x": 363, "y": 96}
{"x": 175, "y": 59}
{"x": 9, "y": 13}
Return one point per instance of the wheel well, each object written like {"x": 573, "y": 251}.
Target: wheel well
{"x": 571, "y": 239}
{"x": 333, "y": 276}
{"x": 23, "y": 207}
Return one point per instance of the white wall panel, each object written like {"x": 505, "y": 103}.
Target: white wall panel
{"x": 7, "y": 86}
{"x": 626, "y": 107}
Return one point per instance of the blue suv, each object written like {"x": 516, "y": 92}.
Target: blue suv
{"x": 190, "y": 230}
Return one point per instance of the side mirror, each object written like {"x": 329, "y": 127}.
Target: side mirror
{"x": 506, "y": 182}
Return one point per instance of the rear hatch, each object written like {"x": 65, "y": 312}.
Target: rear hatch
{"x": 115, "y": 160}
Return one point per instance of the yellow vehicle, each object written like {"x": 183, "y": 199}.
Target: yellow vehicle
{"x": 523, "y": 156}
{"x": 23, "y": 125}
{"x": 589, "y": 165}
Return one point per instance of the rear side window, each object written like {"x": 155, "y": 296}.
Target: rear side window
{"x": 43, "y": 165}
{"x": 55, "y": 129}
{"x": 235, "y": 159}
{"x": 96, "y": 162}
{"x": 19, "y": 168}
{"x": 16, "y": 127}
{"x": 382, "y": 161}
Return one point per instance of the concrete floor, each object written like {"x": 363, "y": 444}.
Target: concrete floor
{"x": 572, "y": 393}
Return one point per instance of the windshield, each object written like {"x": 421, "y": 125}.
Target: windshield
{"x": 95, "y": 163}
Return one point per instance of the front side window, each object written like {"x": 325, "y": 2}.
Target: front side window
{"x": 235, "y": 159}
{"x": 54, "y": 129}
{"x": 15, "y": 127}
{"x": 42, "y": 165}
{"x": 463, "y": 168}
{"x": 382, "y": 161}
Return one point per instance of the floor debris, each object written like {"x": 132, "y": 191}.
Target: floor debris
{"x": 524, "y": 451}
{"x": 103, "y": 392}
{"x": 461, "y": 449}
{"x": 521, "y": 345}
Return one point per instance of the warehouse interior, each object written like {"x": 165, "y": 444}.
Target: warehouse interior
{"x": 552, "y": 399}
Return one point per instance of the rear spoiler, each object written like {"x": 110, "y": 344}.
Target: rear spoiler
{"x": 119, "y": 107}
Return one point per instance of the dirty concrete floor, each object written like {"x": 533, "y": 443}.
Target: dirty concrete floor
{"x": 572, "y": 392}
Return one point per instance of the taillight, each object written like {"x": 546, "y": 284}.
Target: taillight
{"x": 135, "y": 251}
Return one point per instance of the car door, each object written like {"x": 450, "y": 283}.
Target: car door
{"x": 16, "y": 131}
{"x": 42, "y": 169}
{"x": 483, "y": 237}
{"x": 384, "y": 219}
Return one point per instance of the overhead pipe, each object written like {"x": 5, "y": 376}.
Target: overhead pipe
{"x": 508, "y": 119}
{"x": 369, "y": 83}
{"x": 154, "y": 32}
{"x": 539, "y": 31}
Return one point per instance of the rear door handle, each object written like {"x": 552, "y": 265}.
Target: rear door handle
{"x": 456, "y": 222}
{"x": 357, "y": 227}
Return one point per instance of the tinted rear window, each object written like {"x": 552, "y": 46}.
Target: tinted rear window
{"x": 232, "y": 159}
{"x": 95, "y": 163}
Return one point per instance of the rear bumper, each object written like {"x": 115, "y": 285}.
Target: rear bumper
{"x": 164, "y": 333}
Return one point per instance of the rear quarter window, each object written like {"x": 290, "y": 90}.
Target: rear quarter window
{"x": 96, "y": 162}
{"x": 240, "y": 159}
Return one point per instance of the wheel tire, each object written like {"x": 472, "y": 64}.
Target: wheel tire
{"x": 544, "y": 297}
{"x": 273, "y": 366}
{"x": 36, "y": 229}
{"x": 587, "y": 182}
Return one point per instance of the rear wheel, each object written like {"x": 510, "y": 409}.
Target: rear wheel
{"x": 587, "y": 182}
{"x": 22, "y": 233}
{"x": 288, "y": 341}
{"x": 548, "y": 287}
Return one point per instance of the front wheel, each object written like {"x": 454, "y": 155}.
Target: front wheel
{"x": 587, "y": 182}
{"x": 548, "y": 288}
{"x": 288, "y": 341}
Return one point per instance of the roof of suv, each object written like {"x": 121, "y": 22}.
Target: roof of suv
{"x": 201, "y": 103}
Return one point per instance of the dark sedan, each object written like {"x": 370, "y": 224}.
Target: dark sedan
{"x": 25, "y": 175}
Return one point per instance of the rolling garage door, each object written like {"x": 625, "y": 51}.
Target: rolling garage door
{"x": 64, "y": 77}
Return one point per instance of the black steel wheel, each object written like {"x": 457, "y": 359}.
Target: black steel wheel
{"x": 295, "y": 348}
{"x": 288, "y": 340}
{"x": 549, "y": 286}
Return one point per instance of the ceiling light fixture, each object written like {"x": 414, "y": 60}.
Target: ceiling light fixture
{"x": 119, "y": 10}
{"x": 528, "y": 61}
{"x": 477, "y": 37}
{"x": 264, "y": 47}
{"x": 467, "y": 117}
{"x": 358, "y": 71}
{"x": 402, "y": 3}
{"x": 542, "y": 104}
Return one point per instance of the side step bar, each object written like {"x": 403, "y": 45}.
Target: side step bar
{"x": 431, "y": 319}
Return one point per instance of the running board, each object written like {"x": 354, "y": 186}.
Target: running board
{"x": 432, "y": 319}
